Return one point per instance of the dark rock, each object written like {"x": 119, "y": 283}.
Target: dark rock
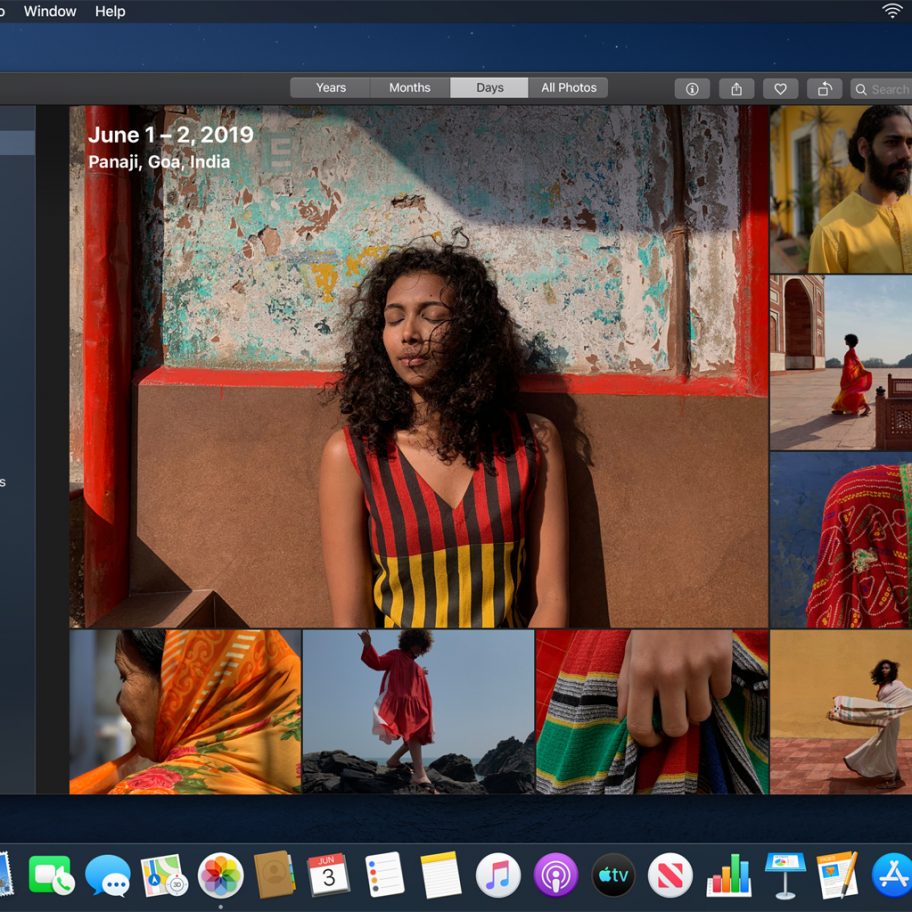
{"x": 317, "y": 783}
{"x": 510, "y": 756}
{"x": 508, "y": 783}
{"x": 338, "y": 761}
{"x": 354, "y": 780}
{"x": 454, "y": 766}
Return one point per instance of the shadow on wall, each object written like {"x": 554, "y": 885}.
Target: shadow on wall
{"x": 799, "y": 485}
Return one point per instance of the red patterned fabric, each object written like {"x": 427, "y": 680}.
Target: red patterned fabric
{"x": 862, "y": 564}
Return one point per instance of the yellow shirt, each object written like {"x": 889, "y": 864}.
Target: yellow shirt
{"x": 861, "y": 237}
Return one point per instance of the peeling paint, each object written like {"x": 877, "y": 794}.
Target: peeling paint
{"x": 571, "y": 221}
{"x": 713, "y": 215}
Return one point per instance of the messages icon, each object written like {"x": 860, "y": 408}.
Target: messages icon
{"x": 108, "y": 874}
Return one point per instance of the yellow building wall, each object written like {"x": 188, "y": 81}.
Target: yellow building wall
{"x": 810, "y": 667}
{"x": 828, "y": 120}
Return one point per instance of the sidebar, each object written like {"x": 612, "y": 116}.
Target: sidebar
{"x": 17, "y": 449}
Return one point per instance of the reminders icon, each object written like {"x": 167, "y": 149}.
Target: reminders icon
{"x": 384, "y": 874}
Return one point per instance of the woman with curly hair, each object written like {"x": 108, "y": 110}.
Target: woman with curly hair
{"x": 441, "y": 504}
{"x": 877, "y": 757}
{"x": 403, "y": 709}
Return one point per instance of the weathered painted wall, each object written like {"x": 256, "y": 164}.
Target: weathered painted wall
{"x": 578, "y": 210}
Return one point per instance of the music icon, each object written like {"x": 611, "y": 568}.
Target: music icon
{"x": 498, "y": 875}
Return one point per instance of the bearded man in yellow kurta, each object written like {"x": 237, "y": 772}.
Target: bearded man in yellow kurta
{"x": 870, "y": 231}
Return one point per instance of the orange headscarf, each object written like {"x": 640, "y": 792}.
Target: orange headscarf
{"x": 229, "y": 720}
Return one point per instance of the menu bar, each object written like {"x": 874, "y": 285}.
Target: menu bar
{"x": 443, "y": 88}
{"x": 451, "y": 11}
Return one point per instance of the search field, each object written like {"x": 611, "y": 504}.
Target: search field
{"x": 878, "y": 89}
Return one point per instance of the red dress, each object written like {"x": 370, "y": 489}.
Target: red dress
{"x": 403, "y": 709}
{"x": 853, "y": 384}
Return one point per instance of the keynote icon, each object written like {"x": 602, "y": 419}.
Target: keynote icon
{"x": 108, "y": 874}
{"x": 498, "y": 875}
{"x": 556, "y": 874}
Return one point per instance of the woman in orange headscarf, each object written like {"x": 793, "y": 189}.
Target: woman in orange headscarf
{"x": 215, "y": 711}
{"x": 853, "y": 384}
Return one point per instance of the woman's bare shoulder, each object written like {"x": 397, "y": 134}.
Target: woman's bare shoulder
{"x": 336, "y": 447}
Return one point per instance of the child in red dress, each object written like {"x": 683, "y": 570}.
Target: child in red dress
{"x": 403, "y": 709}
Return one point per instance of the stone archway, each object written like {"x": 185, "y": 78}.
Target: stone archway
{"x": 799, "y": 327}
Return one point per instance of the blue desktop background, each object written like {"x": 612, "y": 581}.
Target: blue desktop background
{"x": 557, "y": 47}
{"x": 54, "y": 47}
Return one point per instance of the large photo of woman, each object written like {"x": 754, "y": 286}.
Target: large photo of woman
{"x": 419, "y": 366}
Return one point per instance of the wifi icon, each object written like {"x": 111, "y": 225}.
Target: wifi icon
{"x": 892, "y": 9}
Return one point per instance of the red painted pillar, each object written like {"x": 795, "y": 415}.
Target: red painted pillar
{"x": 106, "y": 356}
{"x": 753, "y": 251}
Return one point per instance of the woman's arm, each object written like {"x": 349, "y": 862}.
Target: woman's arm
{"x": 547, "y": 531}
{"x": 343, "y": 527}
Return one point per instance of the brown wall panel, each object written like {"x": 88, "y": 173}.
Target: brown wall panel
{"x": 667, "y": 496}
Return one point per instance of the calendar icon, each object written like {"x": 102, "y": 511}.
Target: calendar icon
{"x": 328, "y": 875}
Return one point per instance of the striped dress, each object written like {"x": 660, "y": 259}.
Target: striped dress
{"x": 440, "y": 566}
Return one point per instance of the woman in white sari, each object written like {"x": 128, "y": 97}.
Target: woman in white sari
{"x": 876, "y": 758}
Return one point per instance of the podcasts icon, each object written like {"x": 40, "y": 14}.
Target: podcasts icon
{"x": 556, "y": 874}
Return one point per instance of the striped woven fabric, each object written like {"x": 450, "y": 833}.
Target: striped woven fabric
{"x": 584, "y": 749}
{"x": 862, "y": 575}
{"x": 441, "y": 566}
{"x": 861, "y": 711}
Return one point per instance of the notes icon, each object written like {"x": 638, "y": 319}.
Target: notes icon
{"x": 498, "y": 875}
{"x": 441, "y": 875}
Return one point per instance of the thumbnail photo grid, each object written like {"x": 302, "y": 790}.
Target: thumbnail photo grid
{"x": 397, "y": 374}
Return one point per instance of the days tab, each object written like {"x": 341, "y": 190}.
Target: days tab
{"x": 568, "y": 87}
{"x": 489, "y": 87}
{"x": 410, "y": 88}
{"x": 331, "y": 88}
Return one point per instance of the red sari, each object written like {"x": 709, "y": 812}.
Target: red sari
{"x": 853, "y": 384}
{"x": 862, "y": 575}
{"x": 403, "y": 709}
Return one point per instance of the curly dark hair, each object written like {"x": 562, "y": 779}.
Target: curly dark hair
{"x": 869, "y": 125}
{"x": 416, "y": 636}
{"x": 479, "y": 360}
{"x": 878, "y": 677}
{"x": 851, "y": 340}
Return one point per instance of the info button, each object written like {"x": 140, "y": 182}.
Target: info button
{"x": 489, "y": 87}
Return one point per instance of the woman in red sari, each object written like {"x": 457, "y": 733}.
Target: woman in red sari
{"x": 853, "y": 384}
{"x": 403, "y": 709}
